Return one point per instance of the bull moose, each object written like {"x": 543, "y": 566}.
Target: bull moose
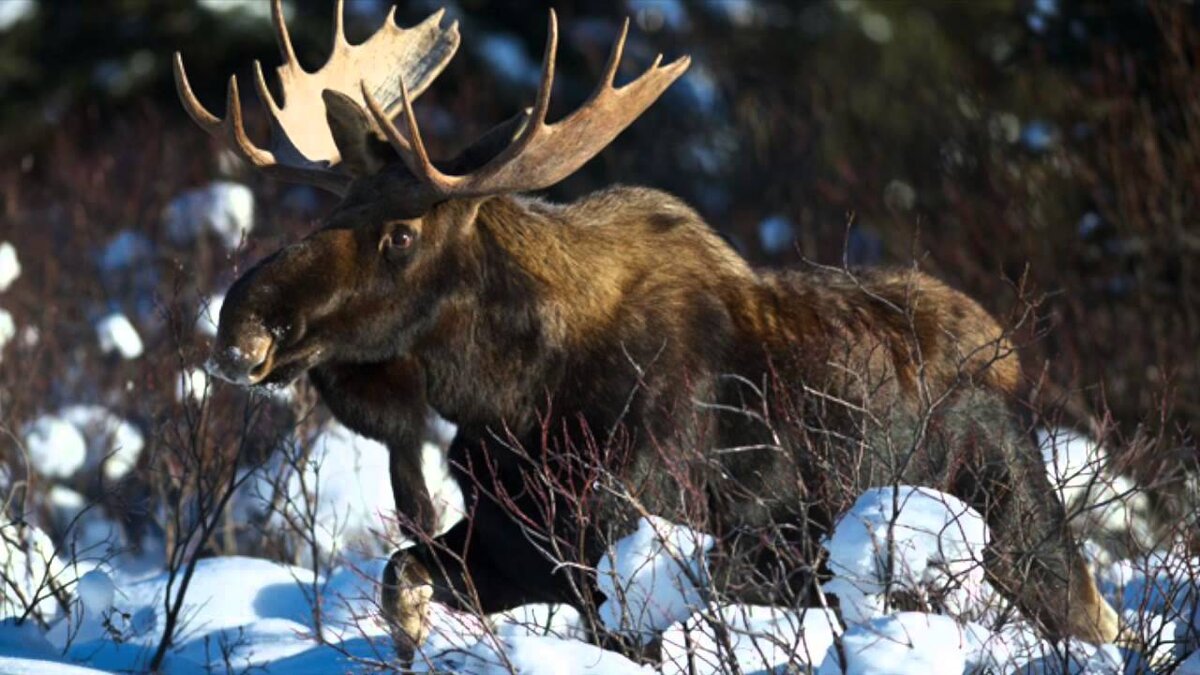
{"x": 618, "y": 332}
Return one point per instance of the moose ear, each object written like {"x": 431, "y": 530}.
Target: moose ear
{"x": 363, "y": 149}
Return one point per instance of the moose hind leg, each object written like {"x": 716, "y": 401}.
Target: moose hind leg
{"x": 1033, "y": 558}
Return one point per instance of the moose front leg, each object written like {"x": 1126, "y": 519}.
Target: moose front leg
{"x": 406, "y": 594}
{"x": 386, "y": 402}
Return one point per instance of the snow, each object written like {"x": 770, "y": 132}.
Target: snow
{"x": 113, "y": 443}
{"x": 349, "y": 476}
{"x": 224, "y": 208}
{"x": 210, "y": 315}
{"x": 8, "y": 328}
{"x": 125, "y": 250}
{"x": 191, "y": 385}
{"x": 1158, "y": 598}
{"x": 937, "y": 542}
{"x": 116, "y": 334}
{"x": 650, "y": 577}
{"x": 761, "y": 639}
{"x": 30, "y": 570}
{"x": 1038, "y": 135}
{"x": 536, "y": 655}
{"x": 249, "y": 9}
{"x": 13, "y": 11}
{"x": 776, "y": 234}
{"x": 10, "y": 267}
{"x": 1073, "y": 462}
{"x": 562, "y": 621}
{"x": 255, "y": 611}
{"x": 1190, "y": 665}
{"x": 654, "y": 14}
{"x": 877, "y": 27}
{"x": 1082, "y": 659}
{"x": 55, "y": 446}
{"x": 250, "y": 614}
{"x": 907, "y": 643}
{"x": 96, "y": 591}
{"x": 91, "y": 537}
{"x": 1098, "y": 501}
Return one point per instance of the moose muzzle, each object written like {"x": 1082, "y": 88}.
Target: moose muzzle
{"x": 244, "y": 357}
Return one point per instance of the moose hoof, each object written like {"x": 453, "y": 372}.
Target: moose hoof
{"x": 407, "y": 592}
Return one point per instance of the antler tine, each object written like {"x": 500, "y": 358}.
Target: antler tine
{"x": 195, "y": 109}
{"x": 614, "y": 58}
{"x": 302, "y": 147}
{"x": 237, "y": 131}
{"x": 413, "y": 154}
{"x": 413, "y": 151}
{"x": 264, "y": 93}
{"x": 541, "y": 154}
{"x": 281, "y": 34}
{"x": 232, "y": 130}
{"x": 541, "y": 106}
{"x": 339, "y": 30}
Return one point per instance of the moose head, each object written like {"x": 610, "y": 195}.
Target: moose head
{"x": 362, "y": 286}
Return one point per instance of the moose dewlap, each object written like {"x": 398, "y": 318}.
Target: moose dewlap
{"x": 608, "y": 359}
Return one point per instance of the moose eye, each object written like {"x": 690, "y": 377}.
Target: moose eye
{"x": 400, "y": 240}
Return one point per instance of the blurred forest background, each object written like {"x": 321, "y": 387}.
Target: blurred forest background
{"x": 1026, "y": 151}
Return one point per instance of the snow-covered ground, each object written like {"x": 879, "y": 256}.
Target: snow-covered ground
{"x": 246, "y": 614}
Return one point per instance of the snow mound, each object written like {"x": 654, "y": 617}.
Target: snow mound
{"x": 937, "y": 542}
{"x": 226, "y": 209}
{"x": 242, "y": 612}
{"x": 22, "y": 639}
{"x": 761, "y": 639}
{"x": 561, "y": 621}
{"x": 93, "y": 614}
{"x": 908, "y": 643}
{"x": 650, "y": 577}
{"x": 349, "y": 477}
{"x": 10, "y": 267}
{"x": 1081, "y": 658}
{"x": 113, "y": 444}
{"x": 1100, "y": 501}
{"x": 55, "y": 446}
{"x": 531, "y": 655}
{"x": 30, "y": 570}
{"x": 116, "y": 334}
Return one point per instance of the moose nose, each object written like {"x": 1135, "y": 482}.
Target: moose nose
{"x": 244, "y": 361}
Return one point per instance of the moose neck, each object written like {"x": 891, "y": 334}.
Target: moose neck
{"x": 536, "y": 287}
{"x": 573, "y": 269}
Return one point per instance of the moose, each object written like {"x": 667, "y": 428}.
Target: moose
{"x": 618, "y": 332}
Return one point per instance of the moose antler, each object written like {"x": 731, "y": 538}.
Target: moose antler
{"x": 393, "y": 65}
{"x": 541, "y": 154}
